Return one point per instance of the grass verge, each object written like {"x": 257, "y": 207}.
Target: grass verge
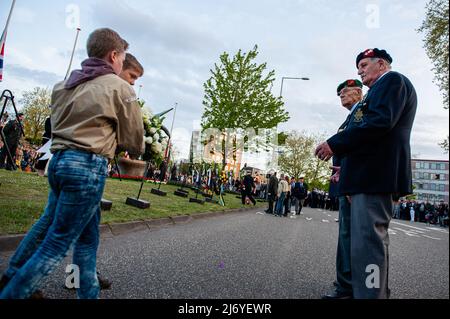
{"x": 23, "y": 197}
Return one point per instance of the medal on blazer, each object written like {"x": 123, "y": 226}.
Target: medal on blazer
{"x": 359, "y": 115}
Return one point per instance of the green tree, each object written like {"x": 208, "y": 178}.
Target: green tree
{"x": 36, "y": 109}
{"x": 298, "y": 159}
{"x": 238, "y": 96}
{"x": 435, "y": 28}
{"x": 444, "y": 145}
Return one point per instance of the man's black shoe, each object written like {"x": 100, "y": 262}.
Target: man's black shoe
{"x": 37, "y": 295}
{"x": 105, "y": 284}
{"x": 338, "y": 295}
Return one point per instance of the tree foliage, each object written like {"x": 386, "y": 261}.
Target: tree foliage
{"x": 238, "y": 96}
{"x": 36, "y": 109}
{"x": 444, "y": 145}
{"x": 298, "y": 159}
{"x": 435, "y": 28}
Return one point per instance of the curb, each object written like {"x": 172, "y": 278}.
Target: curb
{"x": 11, "y": 242}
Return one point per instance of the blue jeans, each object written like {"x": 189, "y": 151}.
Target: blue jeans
{"x": 280, "y": 204}
{"x": 72, "y": 216}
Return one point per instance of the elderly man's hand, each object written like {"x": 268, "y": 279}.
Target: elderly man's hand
{"x": 324, "y": 152}
{"x": 337, "y": 174}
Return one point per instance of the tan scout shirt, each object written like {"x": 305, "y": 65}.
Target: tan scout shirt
{"x": 283, "y": 187}
{"x": 98, "y": 116}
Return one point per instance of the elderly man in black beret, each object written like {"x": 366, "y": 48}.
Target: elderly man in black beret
{"x": 376, "y": 167}
{"x": 351, "y": 94}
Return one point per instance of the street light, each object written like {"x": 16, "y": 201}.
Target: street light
{"x": 290, "y": 78}
{"x": 139, "y": 94}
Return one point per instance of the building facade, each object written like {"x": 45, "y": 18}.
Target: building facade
{"x": 431, "y": 180}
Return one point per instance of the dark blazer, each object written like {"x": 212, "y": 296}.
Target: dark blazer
{"x": 273, "y": 185}
{"x": 333, "y": 191}
{"x": 375, "y": 147}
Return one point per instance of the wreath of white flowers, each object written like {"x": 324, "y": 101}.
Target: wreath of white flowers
{"x": 154, "y": 137}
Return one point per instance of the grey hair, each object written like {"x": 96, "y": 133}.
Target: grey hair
{"x": 388, "y": 65}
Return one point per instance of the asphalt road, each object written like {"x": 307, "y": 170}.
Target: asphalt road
{"x": 254, "y": 255}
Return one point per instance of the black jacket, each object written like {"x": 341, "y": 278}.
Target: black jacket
{"x": 334, "y": 187}
{"x": 12, "y": 132}
{"x": 273, "y": 185}
{"x": 248, "y": 182}
{"x": 375, "y": 147}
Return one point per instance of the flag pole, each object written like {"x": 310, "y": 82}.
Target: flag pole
{"x": 73, "y": 53}
{"x": 9, "y": 16}
{"x": 171, "y": 132}
{"x": 3, "y": 37}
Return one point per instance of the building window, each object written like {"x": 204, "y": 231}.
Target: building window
{"x": 416, "y": 175}
{"x": 433, "y": 166}
{"x": 442, "y": 167}
{"x": 420, "y": 186}
{"x": 426, "y": 175}
{"x": 437, "y": 176}
{"x": 442, "y": 188}
{"x": 417, "y": 165}
{"x": 425, "y": 186}
{"x": 426, "y": 166}
{"x": 433, "y": 187}
{"x": 442, "y": 177}
{"x": 420, "y": 175}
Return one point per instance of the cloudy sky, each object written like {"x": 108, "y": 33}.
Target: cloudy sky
{"x": 178, "y": 43}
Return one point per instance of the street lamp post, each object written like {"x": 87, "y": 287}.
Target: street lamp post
{"x": 290, "y": 78}
{"x": 139, "y": 94}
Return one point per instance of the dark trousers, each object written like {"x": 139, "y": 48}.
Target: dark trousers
{"x": 370, "y": 218}
{"x": 287, "y": 204}
{"x": 301, "y": 202}
{"x": 4, "y": 156}
{"x": 343, "y": 256}
{"x": 247, "y": 193}
{"x": 271, "y": 199}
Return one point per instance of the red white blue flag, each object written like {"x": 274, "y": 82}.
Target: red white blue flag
{"x": 2, "y": 53}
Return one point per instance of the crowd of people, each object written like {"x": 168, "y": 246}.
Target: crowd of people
{"x": 25, "y": 158}
{"x": 24, "y": 155}
{"x": 425, "y": 212}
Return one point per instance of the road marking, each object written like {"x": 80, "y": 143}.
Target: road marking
{"x": 431, "y": 237}
{"x": 401, "y": 224}
{"x": 439, "y": 230}
{"x": 259, "y": 213}
{"x": 391, "y": 232}
{"x": 325, "y": 221}
{"x": 409, "y": 233}
{"x": 308, "y": 218}
{"x": 329, "y": 215}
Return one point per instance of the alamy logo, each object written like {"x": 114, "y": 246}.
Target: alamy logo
{"x": 373, "y": 18}
{"x": 73, "y": 16}
{"x": 73, "y": 280}
{"x": 373, "y": 279}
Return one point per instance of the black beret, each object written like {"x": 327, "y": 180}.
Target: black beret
{"x": 349, "y": 83}
{"x": 374, "y": 53}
